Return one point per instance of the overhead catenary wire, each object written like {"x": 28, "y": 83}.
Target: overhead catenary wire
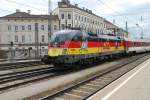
{"x": 124, "y": 16}
{"x": 25, "y": 5}
{"x": 4, "y": 10}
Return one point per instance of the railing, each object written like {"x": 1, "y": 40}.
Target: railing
{"x": 22, "y": 51}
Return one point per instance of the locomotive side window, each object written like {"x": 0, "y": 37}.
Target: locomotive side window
{"x": 59, "y": 38}
{"x": 77, "y": 37}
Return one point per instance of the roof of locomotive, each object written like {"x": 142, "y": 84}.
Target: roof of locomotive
{"x": 137, "y": 40}
{"x": 68, "y": 31}
{"x": 102, "y": 36}
{"x": 109, "y": 37}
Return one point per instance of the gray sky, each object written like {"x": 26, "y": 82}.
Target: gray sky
{"x": 118, "y": 10}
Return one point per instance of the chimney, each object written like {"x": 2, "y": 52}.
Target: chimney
{"x": 17, "y": 10}
{"x": 29, "y": 11}
{"x": 65, "y": 1}
{"x": 90, "y": 11}
{"x": 76, "y": 5}
{"x": 83, "y": 8}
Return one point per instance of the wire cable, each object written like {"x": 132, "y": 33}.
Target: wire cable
{"x": 25, "y": 5}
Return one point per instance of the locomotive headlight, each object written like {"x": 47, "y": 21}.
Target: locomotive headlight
{"x": 64, "y": 52}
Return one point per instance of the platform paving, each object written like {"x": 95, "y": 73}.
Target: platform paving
{"x": 134, "y": 85}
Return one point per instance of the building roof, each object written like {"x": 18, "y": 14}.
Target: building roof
{"x": 28, "y": 16}
{"x": 68, "y": 5}
{"x": 108, "y": 22}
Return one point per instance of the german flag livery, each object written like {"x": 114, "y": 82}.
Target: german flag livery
{"x": 72, "y": 46}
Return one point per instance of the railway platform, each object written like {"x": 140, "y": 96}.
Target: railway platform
{"x": 134, "y": 85}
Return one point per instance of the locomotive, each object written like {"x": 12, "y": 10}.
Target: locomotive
{"x": 74, "y": 47}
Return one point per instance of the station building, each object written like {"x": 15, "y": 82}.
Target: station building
{"x": 76, "y": 17}
{"x": 24, "y": 29}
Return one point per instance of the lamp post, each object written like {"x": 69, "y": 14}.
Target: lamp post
{"x": 49, "y": 20}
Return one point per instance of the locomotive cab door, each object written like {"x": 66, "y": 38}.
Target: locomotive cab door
{"x": 84, "y": 45}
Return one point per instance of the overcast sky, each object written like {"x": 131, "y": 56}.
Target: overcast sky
{"x": 118, "y": 10}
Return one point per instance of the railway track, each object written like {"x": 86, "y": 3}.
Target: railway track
{"x": 14, "y": 80}
{"x": 9, "y": 66}
{"x": 86, "y": 88}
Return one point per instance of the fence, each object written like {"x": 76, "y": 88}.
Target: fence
{"x": 24, "y": 51}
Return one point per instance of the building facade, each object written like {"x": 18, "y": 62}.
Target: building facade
{"x": 23, "y": 29}
{"x": 71, "y": 16}
{"x": 110, "y": 28}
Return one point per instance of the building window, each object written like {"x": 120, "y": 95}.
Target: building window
{"x": 85, "y": 19}
{"x": 79, "y": 18}
{"x": 104, "y": 25}
{"x": 23, "y": 27}
{"x": 43, "y": 38}
{"x": 29, "y": 27}
{"x": 82, "y": 19}
{"x": 85, "y": 29}
{"x": 88, "y": 20}
{"x": 23, "y": 39}
{"x": 42, "y": 27}
{"x": 62, "y": 26}
{"x": 101, "y": 25}
{"x": 16, "y": 28}
{"x": 16, "y": 38}
{"x": 69, "y": 26}
{"x": 69, "y": 16}
{"x": 0, "y": 38}
{"x": 30, "y": 39}
{"x": 55, "y": 27}
{"x": 62, "y": 16}
{"x": 49, "y": 28}
{"x": 9, "y": 27}
{"x": 76, "y": 17}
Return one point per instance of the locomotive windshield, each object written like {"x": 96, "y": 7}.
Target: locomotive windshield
{"x": 62, "y": 36}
